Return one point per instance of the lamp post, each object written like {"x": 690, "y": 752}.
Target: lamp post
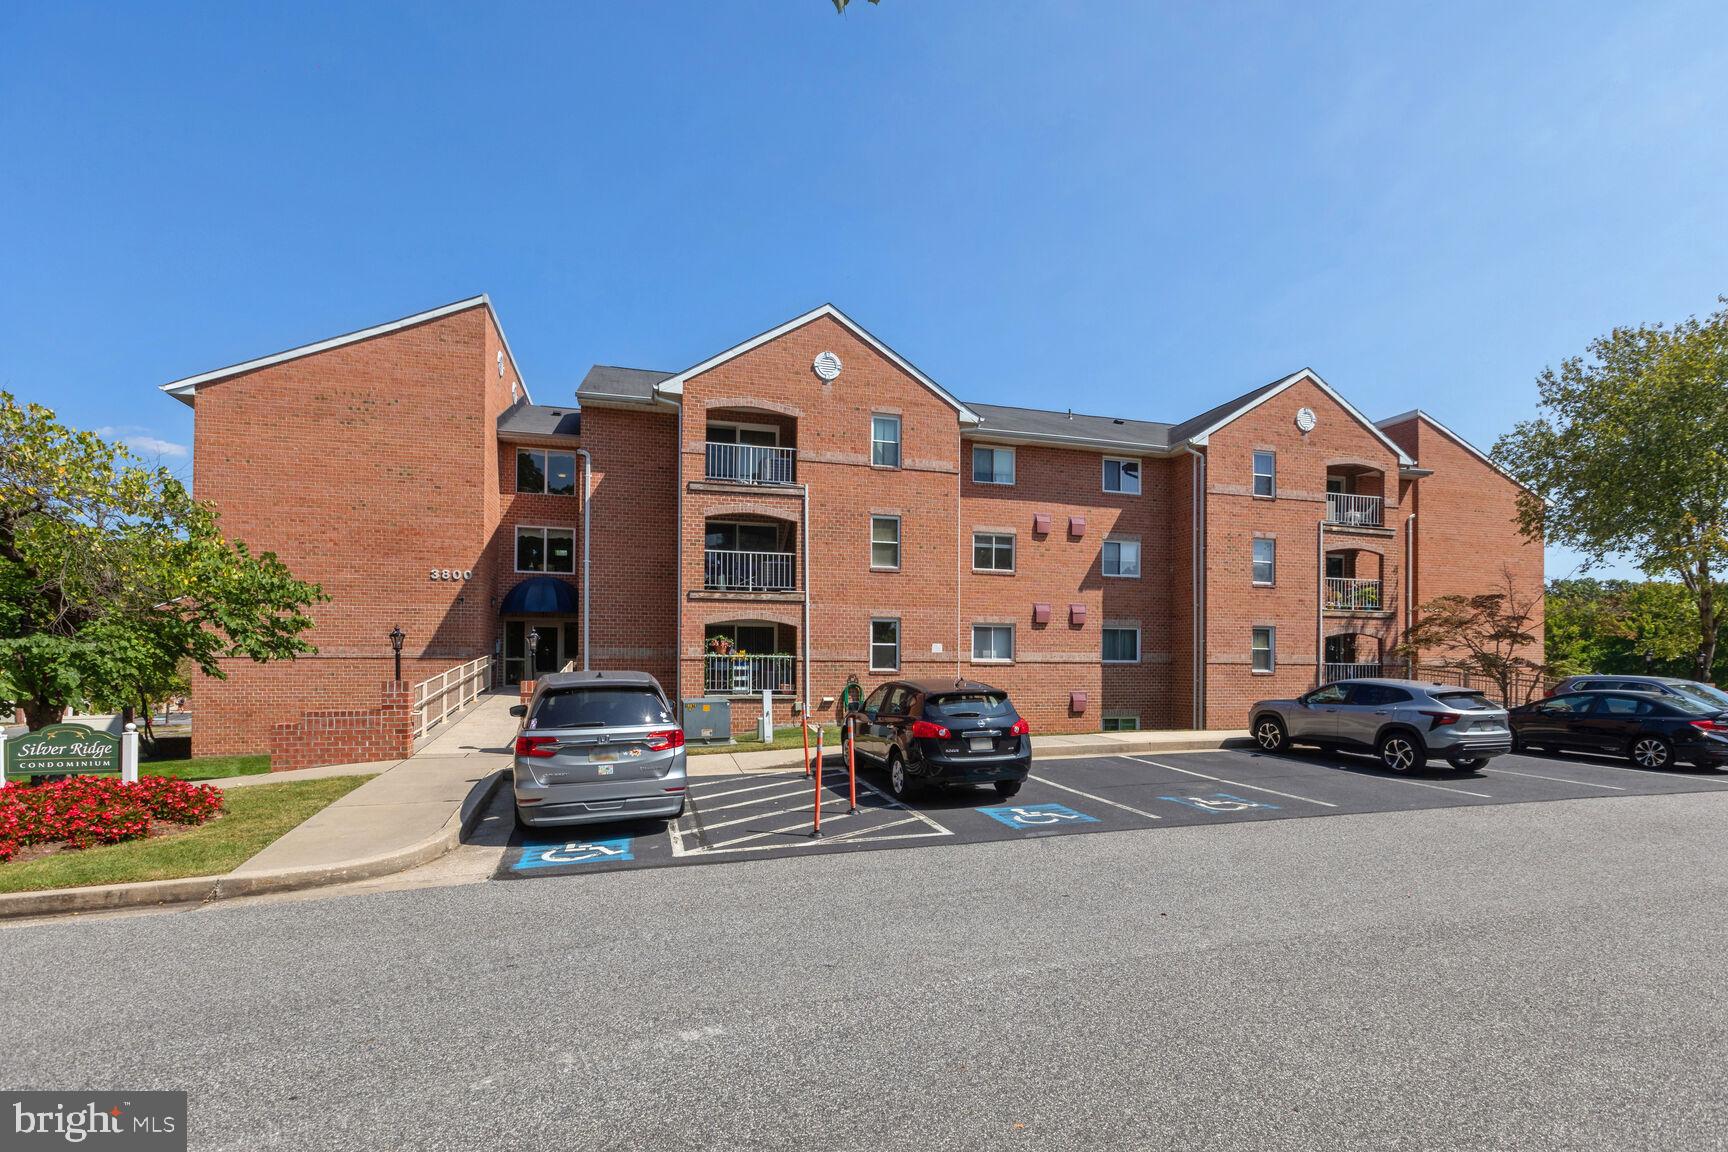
{"x": 396, "y": 638}
{"x": 533, "y": 648}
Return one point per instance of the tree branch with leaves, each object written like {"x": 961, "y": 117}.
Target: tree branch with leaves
{"x": 1487, "y": 635}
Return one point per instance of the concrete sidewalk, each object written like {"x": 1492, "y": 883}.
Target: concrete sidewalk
{"x": 1043, "y": 748}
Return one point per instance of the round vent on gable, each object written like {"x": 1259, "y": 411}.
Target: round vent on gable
{"x": 1305, "y": 419}
{"x": 827, "y": 365}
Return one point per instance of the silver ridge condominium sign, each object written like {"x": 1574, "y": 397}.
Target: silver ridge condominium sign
{"x": 70, "y": 750}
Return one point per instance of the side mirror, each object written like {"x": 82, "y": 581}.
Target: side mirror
{"x": 518, "y": 709}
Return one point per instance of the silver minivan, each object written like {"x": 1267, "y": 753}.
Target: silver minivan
{"x": 598, "y": 746}
{"x": 1403, "y": 722}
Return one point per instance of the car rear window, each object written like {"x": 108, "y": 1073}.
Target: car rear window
{"x": 975, "y": 703}
{"x": 1467, "y": 701}
{"x": 1692, "y": 706}
{"x": 1703, "y": 693}
{"x": 590, "y": 707}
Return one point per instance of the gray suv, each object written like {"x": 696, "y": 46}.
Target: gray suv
{"x": 1672, "y": 686}
{"x": 597, "y": 746}
{"x": 1404, "y": 722}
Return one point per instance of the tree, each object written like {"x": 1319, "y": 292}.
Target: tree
{"x": 840, "y": 5}
{"x": 1620, "y": 626}
{"x": 112, "y": 576}
{"x": 1629, "y": 457}
{"x": 1482, "y": 635}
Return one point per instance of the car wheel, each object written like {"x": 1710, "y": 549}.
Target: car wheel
{"x": 1651, "y": 752}
{"x": 899, "y": 780}
{"x": 1399, "y": 751}
{"x": 1270, "y": 734}
{"x": 1007, "y": 788}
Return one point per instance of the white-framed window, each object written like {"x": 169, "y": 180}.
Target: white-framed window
{"x": 992, "y": 643}
{"x": 549, "y": 472}
{"x": 1265, "y": 474}
{"x": 1122, "y": 558}
{"x": 885, "y": 645}
{"x": 992, "y": 465}
{"x": 885, "y": 542}
{"x": 545, "y": 549}
{"x": 1121, "y": 722}
{"x": 1122, "y": 475}
{"x": 992, "y": 552}
{"x": 1121, "y": 645}
{"x": 1263, "y": 649}
{"x": 885, "y": 441}
{"x": 1265, "y": 559}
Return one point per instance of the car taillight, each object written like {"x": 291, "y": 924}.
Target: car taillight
{"x": 1710, "y": 725}
{"x": 1020, "y": 728}
{"x": 666, "y": 740}
{"x": 537, "y": 747}
{"x": 1440, "y": 719}
{"x": 928, "y": 730}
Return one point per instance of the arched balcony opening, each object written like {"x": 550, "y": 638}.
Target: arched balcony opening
{"x": 751, "y": 446}
{"x": 747, "y": 553}
{"x": 1355, "y": 496}
{"x": 1354, "y": 581}
{"x": 746, "y": 657}
{"x": 1349, "y": 655}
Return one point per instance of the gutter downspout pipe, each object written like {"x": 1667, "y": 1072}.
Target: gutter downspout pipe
{"x": 1409, "y": 589}
{"x": 804, "y": 633}
{"x": 1197, "y": 590}
{"x": 587, "y": 486}
{"x": 1320, "y": 604}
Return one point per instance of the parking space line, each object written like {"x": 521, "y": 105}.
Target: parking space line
{"x": 1649, "y": 774}
{"x": 1233, "y": 783}
{"x": 790, "y": 828}
{"x": 827, "y": 803}
{"x": 1100, "y": 799}
{"x": 796, "y": 790}
{"x": 781, "y": 783}
{"x": 879, "y": 828}
{"x": 1555, "y": 779}
{"x": 1418, "y": 783}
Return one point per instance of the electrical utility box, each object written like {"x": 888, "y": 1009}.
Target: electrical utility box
{"x": 708, "y": 720}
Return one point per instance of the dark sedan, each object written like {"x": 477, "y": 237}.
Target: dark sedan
{"x": 943, "y": 732}
{"x": 1651, "y": 731}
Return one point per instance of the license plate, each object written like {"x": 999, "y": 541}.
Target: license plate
{"x": 981, "y": 744}
{"x": 604, "y": 757}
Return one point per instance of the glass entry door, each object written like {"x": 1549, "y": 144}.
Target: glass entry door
{"x": 548, "y": 654}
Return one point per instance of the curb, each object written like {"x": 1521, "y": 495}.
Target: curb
{"x": 202, "y": 889}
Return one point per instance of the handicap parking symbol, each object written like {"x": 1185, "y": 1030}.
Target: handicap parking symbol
{"x": 1038, "y": 816}
{"x": 1221, "y": 802}
{"x": 574, "y": 852}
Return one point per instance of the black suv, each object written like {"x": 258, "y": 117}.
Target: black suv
{"x": 943, "y": 732}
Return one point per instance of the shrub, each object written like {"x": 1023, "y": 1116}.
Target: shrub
{"x": 84, "y": 811}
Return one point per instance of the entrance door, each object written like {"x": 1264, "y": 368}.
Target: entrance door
{"x": 547, "y": 656}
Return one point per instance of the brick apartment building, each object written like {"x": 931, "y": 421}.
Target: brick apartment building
{"x": 807, "y": 506}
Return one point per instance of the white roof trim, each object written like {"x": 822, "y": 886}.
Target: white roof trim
{"x": 1283, "y": 385}
{"x": 674, "y": 386}
{"x": 184, "y": 389}
{"x": 1418, "y": 414}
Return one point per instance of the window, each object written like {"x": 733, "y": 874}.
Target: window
{"x": 1623, "y": 706}
{"x": 1261, "y": 650}
{"x": 885, "y": 542}
{"x": 992, "y": 552}
{"x": 545, "y": 550}
{"x": 885, "y": 441}
{"x": 1377, "y": 695}
{"x": 992, "y": 465}
{"x": 873, "y": 704}
{"x": 1122, "y": 558}
{"x": 1121, "y": 645}
{"x": 1565, "y": 705}
{"x": 1119, "y": 722}
{"x": 884, "y": 645}
{"x": 993, "y": 642}
{"x": 1265, "y": 551}
{"x": 553, "y": 472}
{"x": 1330, "y": 694}
{"x": 1122, "y": 476}
{"x": 1265, "y": 474}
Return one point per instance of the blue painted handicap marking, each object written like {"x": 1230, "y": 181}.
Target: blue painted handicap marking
{"x": 573, "y": 852}
{"x": 1221, "y": 802}
{"x": 1037, "y": 815}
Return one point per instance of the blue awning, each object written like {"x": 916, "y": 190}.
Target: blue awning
{"x": 540, "y": 596}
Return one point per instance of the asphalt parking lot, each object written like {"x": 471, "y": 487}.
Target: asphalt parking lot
{"x": 737, "y": 818}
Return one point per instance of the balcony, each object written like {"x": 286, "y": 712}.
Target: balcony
{"x": 751, "y": 463}
{"x": 1355, "y": 511}
{"x": 1349, "y": 671}
{"x": 724, "y": 570}
{"x": 740, "y": 675}
{"x": 1348, "y": 594}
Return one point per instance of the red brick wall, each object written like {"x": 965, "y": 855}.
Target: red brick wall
{"x": 354, "y": 735}
{"x": 364, "y": 468}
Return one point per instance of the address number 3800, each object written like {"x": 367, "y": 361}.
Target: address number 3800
{"x": 452, "y": 573}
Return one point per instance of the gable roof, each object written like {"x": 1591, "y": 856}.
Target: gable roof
{"x": 1197, "y": 430}
{"x": 1418, "y": 414}
{"x": 607, "y": 382}
{"x": 674, "y": 385}
{"x": 186, "y": 388}
{"x": 1038, "y": 425}
{"x": 525, "y": 419}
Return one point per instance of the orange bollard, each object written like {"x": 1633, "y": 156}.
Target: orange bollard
{"x": 852, "y": 762}
{"x": 816, "y": 813}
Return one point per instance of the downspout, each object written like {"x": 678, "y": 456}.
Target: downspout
{"x": 960, "y": 552}
{"x": 804, "y": 547}
{"x": 587, "y": 485}
{"x": 1320, "y": 603}
{"x": 1197, "y": 591}
{"x": 1409, "y": 589}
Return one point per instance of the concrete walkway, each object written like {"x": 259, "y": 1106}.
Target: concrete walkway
{"x": 1043, "y": 748}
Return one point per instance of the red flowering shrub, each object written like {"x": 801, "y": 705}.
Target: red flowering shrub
{"x": 88, "y": 810}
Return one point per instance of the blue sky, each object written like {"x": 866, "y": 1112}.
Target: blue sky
{"x": 1131, "y": 208}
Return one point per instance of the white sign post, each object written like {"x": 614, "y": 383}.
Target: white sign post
{"x": 765, "y": 727}
{"x": 2, "y": 757}
{"x": 129, "y": 755}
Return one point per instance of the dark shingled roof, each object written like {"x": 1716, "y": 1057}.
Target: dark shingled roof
{"x": 1211, "y": 416}
{"x": 1036, "y": 422}
{"x": 607, "y": 382}
{"x": 525, "y": 419}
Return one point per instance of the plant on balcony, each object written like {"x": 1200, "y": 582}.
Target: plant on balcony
{"x": 721, "y": 646}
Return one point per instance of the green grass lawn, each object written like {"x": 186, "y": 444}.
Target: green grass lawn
{"x": 784, "y": 737}
{"x": 257, "y": 815}
{"x": 207, "y": 767}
